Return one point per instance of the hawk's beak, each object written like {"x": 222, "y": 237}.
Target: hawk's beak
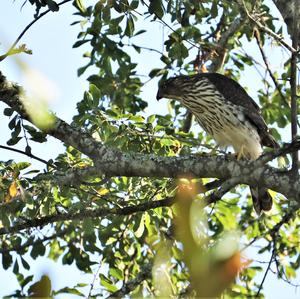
{"x": 159, "y": 95}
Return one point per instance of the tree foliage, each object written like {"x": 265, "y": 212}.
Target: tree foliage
{"x": 111, "y": 201}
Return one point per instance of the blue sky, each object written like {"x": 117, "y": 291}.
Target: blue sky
{"x": 51, "y": 41}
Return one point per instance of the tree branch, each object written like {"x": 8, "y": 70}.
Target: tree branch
{"x": 72, "y": 177}
{"x": 224, "y": 188}
{"x": 12, "y": 49}
{"x": 83, "y": 214}
{"x": 266, "y": 62}
{"x": 221, "y": 48}
{"x": 32, "y": 242}
{"x": 26, "y": 154}
{"x": 267, "y": 30}
{"x": 266, "y": 272}
{"x": 145, "y": 273}
{"x": 274, "y": 230}
{"x": 287, "y": 10}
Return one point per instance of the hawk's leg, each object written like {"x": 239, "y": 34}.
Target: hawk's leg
{"x": 241, "y": 154}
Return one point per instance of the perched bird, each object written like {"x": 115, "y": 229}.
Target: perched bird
{"x": 226, "y": 112}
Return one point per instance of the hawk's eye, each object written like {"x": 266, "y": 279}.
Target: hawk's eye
{"x": 164, "y": 84}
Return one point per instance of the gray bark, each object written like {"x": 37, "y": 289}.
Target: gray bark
{"x": 290, "y": 12}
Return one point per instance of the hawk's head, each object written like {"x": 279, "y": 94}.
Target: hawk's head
{"x": 175, "y": 88}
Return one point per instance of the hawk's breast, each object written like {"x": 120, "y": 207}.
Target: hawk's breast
{"x": 227, "y": 124}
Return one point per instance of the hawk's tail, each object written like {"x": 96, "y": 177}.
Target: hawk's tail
{"x": 262, "y": 200}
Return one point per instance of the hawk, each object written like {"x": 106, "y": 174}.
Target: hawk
{"x": 226, "y": 112}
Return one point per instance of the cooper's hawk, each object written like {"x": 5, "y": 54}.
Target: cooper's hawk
{"x": 225, "y": 111}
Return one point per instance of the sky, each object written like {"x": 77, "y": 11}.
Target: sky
{"x": 51, "y": 41}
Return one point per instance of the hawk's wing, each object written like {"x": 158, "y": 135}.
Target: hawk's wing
{"x": 233, "y": 92}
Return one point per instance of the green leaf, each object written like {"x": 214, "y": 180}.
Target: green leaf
{"x": 16, "y": 267}
{"x": 214, "y": 9}
{"x": 129, "y": 26}
{"x": 134, "y": 4}
{"x": 17, "y": 130}
{"x": 12, "y": 123}
{"x": 96, "y": 94}
{"x": 26, "y": 281}
{"x": 88, "y": 97}
{"x": 82, "y": 69}
{"x": 140, "y": 32}
{"x": 25, "y": 264}
{"x": 117, "y": 273}
{"x": 6, "y": 260}
{"x": 41, "y": 288}
{"x": 157, "y": 72}
{"x": 4, "y": 218}
{"x": 8, "y": 111}
{"x": 137, "y": 48}
{"x": 28, "y": 150}
{"x": 178, "y": 51}
{"x": 23, "y": 165}
{"x": 68, "y": 290}
{"x": 139, "y": 232}
{"x": 88, "y": 226}
{"x": 107, "y": 283}
{"x": 166, "y": 141}
{"x": 13, "y": 141}
{"x": 80, "y": 6}
{"x": 38, "y": 249}
{"x": 156, "y": 8}
{"x": 53, "y": 6}
{"x": 136, "y": 118}
{"x": 151, "y": 119}
{"x": 80, "y": 42}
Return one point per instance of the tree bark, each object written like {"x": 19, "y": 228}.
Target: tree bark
{"x": 288, "y": 9}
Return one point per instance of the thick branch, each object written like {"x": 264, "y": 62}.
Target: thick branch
{"x": 221, "y": 47}
{"x": 287, "y": 10}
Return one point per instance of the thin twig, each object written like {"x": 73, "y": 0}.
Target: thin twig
{"x": 12, "y": 48}
{"x": 171, "y": 28}
{"x": 83, "y": 214}
{"x": 145, "y": 273}
{"x": 144, "y": 48}
{"x": 213, "y": 185}
{"x": 94, "y": 280}
{"x": 32, "y": 242}
{"x": 26, "y": 154}
{"x": 267, "y": 30}
{"x": 266, "y": 62}
{"x": 266, "y": 272}
{"x": 286, "y": 280}
{"x": 255, "y": 64}
{"x": 224, "y": 188}
{"x": 274, "y": 230}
